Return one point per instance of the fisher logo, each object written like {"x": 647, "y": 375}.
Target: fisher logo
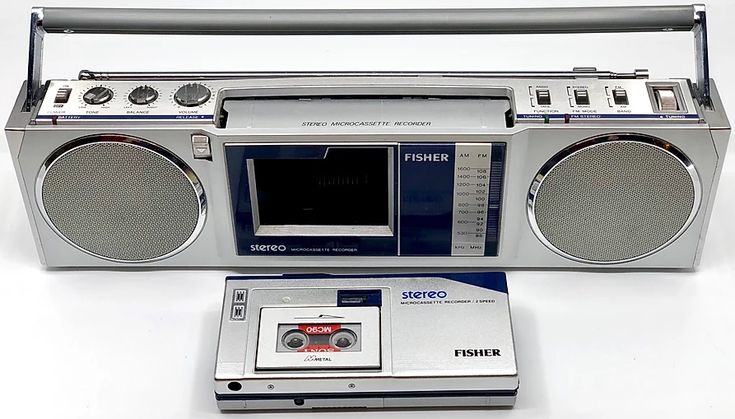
{"x": 267, "y": 248}
{"x": 423, "y": 295}
{"x": 475, "y": 353}
{"x": 426, "y": 157}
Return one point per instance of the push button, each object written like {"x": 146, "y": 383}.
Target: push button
{"x": 63, "y": 95}
{"x": 543, "y": 97}
{"x": 238, "y": 312}
{"x": 620, "y": 96}
{"x": 201, "y": 147}
{"x": 582, "y": 97}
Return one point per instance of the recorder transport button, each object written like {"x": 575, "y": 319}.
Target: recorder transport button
{"x": 238, "y": 312}
{"x": 239, "y": 295}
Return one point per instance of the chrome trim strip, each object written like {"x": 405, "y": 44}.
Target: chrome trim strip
{"x": 133, "y": 141}
{"x": 594, "y": 141}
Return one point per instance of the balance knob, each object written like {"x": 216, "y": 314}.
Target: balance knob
{"x": 192, "y": 94}
{"x": 143, "y": 95}
{"x": 98, "y": 95}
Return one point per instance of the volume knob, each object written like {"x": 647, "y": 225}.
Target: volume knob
{"x": 98, "y": 95}
{"x": 192, "y": 94}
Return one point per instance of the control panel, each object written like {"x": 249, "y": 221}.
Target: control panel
{"x": 563, "y": 100}
{"x": 574, "y": 100}
{"x": 116, "y": 100}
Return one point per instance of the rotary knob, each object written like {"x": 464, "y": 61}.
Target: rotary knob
{"x": 192, "y": 94}
{"x": 98, "y": 95}
{"x": 143, "y": 95}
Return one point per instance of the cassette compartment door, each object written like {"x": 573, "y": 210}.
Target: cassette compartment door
{"x": 366, "y": 176}
{"x": 334, "y": 199}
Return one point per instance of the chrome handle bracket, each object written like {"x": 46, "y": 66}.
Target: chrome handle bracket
{"x": 35, "y": 59}
{"x": 701, "y": 51}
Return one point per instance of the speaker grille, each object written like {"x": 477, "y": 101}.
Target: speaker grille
{"x": 613, "y": 199}
{"x": 121, "y": 199}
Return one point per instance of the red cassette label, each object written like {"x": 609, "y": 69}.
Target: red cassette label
{"x": 319, "y": 348}
{"x": 319, "y": 329}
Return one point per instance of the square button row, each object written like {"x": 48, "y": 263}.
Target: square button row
{"x": 581, "y": 97}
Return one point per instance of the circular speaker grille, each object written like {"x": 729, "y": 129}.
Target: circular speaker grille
{"x": 121, "y": 198}
{"x": 613, "y": 199}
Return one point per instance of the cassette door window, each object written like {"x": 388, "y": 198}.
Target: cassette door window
{"x": 311, "y": 199}
{"x": 319, "y": 338}
{"x": 346, "y": 191}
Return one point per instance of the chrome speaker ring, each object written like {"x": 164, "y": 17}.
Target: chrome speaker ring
{"x": 575, "y": 149}
{"x": 139, "y": 144}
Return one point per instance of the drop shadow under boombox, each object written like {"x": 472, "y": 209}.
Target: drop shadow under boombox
{"x": 579, "y": 169}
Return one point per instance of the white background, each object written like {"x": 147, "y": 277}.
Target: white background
{"x": 96, "y": 344}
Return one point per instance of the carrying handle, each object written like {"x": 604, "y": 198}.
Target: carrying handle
{"x": 368, "y": 22}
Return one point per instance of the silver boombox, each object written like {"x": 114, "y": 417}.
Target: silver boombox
{"x": 370, "y": 341}
{"x": 579, "y": 169}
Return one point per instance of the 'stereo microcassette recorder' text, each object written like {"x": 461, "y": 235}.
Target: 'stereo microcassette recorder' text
{"x": 375, "y": 341}
{"x": 578, "y": 169}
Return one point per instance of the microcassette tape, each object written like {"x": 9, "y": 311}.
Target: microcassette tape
{"x": 365, "y": 341}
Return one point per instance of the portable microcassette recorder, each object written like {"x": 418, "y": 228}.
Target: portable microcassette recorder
{"x": 367, "y": 341}
{"x": 578, "y": 169}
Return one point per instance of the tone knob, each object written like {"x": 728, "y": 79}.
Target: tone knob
{"x": 98, "y": 95}
{"x": 143, "y": 95}
{"x": 192, "y": 94}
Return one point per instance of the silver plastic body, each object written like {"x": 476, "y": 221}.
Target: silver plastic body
{"x": 701, "y": 133}
{"x": 418, "y": 342}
